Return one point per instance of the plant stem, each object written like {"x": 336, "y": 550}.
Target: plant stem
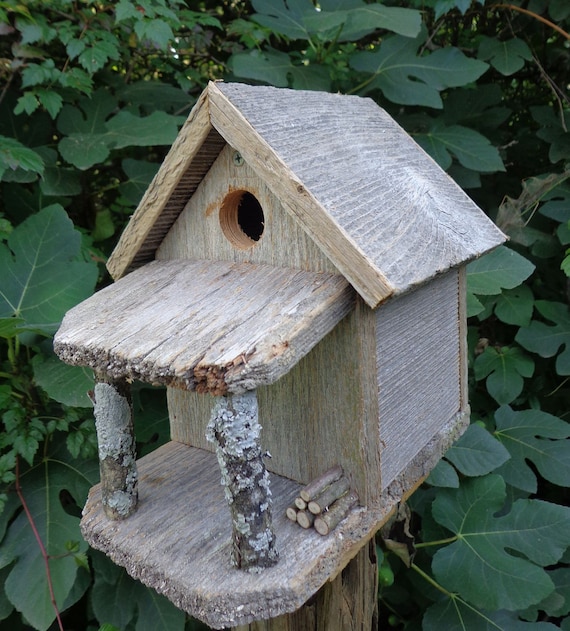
{"x": 439, "y": 542}
{"x": 38, "y": 538}
{"x": 431, "y": 581}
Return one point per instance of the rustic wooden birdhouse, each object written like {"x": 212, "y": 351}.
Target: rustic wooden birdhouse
{"x": 297, "y": 262}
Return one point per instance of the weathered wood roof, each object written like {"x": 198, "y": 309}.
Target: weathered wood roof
{"x": 209, "y": 326}
{"x": 377, "y": 205}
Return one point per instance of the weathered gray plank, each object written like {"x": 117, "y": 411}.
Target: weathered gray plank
{"x": 357, "y": 182}
{"x": 418, "y": 359}
{"x": 179, "y": 540}
{"x": 210, "y": 326}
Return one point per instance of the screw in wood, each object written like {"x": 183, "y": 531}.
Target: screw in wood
{"x": 238, "y": 159}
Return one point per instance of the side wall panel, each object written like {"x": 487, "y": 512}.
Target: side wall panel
{"x": 419, "y": 352}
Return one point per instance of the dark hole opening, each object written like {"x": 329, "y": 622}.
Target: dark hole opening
{"x": 250, "y": 216}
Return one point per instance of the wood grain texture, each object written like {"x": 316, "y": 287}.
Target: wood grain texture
{"x": 322, "y": 413}
{"x": 348, "y": 603}
{"x": 214, "y": 327}
{"x": 178, "y": 542}
{"x": 380, "y": 208}
{"x": 419, "y": 358}
{"x": 193, "y": 152}
{"x": 197, "y": 233}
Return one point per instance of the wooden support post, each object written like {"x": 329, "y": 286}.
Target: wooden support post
{"x": 235, "y": 430}
{"x": 348, "y": 603}
{"x": 117, "y": 456}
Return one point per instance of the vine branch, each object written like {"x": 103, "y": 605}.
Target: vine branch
{"x": 535, "y": 16}
{"x": 40, "y": 543}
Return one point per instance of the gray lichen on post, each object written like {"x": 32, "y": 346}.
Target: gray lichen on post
{"x": 235, "y": 430}
{"x": 117, "y": 455}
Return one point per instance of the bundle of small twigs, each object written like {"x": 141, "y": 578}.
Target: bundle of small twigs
{"x": 324, "y": 502}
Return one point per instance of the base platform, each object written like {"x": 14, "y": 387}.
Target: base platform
{"x": 178, "y": 542}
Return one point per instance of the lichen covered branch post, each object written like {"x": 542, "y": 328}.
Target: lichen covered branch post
{"x": 117, "y": 456}
{"x": 235, "y": 430}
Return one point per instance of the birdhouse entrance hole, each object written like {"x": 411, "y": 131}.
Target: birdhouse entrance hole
{"x": 241, "y": 219}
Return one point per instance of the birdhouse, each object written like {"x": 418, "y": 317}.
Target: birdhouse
{"x": 295, "y": 276}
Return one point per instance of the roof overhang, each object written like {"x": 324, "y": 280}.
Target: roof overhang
{"x": 213, "y": 327}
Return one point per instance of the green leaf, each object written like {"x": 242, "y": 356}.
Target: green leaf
{"x": 124, "y": 10}
{"x": 14, "y": 155}
{"x": 500, "y": 555}
{"x": 536, "y": 437}
{"x": 140, "y": 175}
{"x": 546, "y": 339}
{"x": 477, "y": 452}
{"x": 285, "y": 18}
{"x": 515, "y": 306}
{"x": 42, "y": 276}
{"x": 64, "y": 383}
{"x": 471, "y": 148}
{"x": 276, "y": 68}
{"x": 506, "y": 56}
{"x": 156, "y": 613}
{"x": 443, "y": 474}
{"x": 504, "y": 368}
{"x": 127, "y": 130}
{"x": 405, "y": 78}
{"x": 502, "y": 268}
{"x": 94, "y": 57}
{"x": 454, "y": 614}
{"x": 157, "y": 31}
{"x": 59, "y": 181}
{"x": 26, "y": 586}
{"x": 50, "y": 100}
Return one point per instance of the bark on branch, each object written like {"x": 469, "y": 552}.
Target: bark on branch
{"x": 235, "y": 430}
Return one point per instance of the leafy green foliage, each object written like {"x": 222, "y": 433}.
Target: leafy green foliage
{"x": 42, "y": 281}
{"x": 504, "y": 369}
{"x": 477, "y": 452}
{"x": 485, "y": 544}
{"x": 92, "y": 96}
{"x": 532, "y": 436}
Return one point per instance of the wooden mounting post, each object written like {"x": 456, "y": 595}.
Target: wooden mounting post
{"x": 348, "y": 603}
{"x": 235, "y": 430}
{"x": 117, "y": 456}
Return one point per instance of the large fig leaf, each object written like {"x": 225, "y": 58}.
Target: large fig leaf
{"x": 405, "y": 78}
{"x": 453, "y": 614}
{"x": 477, "y": 452}
{"x": 502, "y": 556}
{"x": 537, "y": 437}
{"x": 116, "y": 597}
{"x": 547, "y": 339}
{"x": 504, "y": 369}
{"x": 27, "y": 586}
{"x": 42, "y": 278}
